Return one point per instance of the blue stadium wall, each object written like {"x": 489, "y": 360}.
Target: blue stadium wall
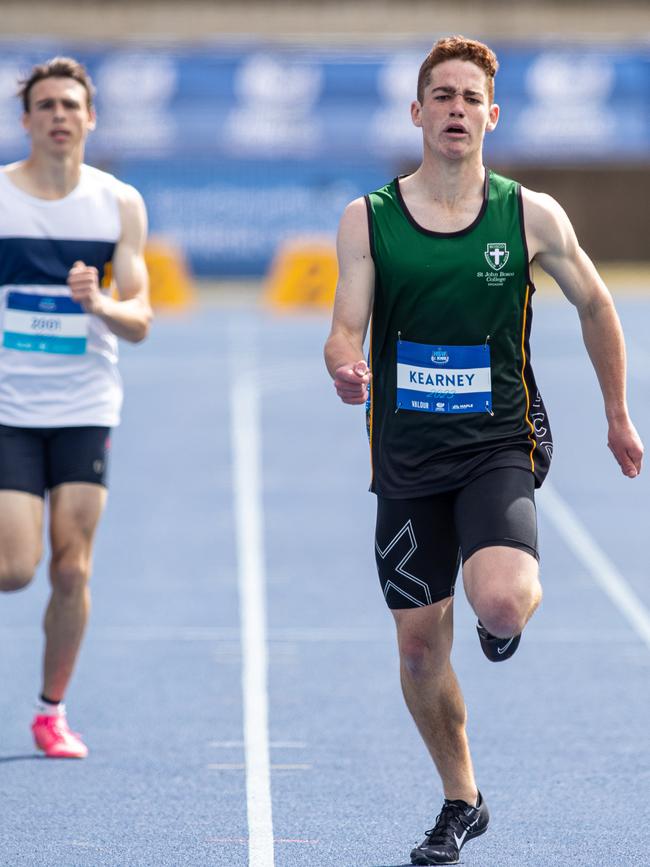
{"x": 236, "y": 146}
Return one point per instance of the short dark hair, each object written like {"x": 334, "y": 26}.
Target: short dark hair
{"x": 459, "y": 48}
{"x": 57, "y": 67}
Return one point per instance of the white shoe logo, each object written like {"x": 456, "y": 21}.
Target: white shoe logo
{"x": 503, "y": 649}
{"x": 460, "y": 840}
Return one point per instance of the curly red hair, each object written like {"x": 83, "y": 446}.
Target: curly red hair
{"x": 459, "y": 48}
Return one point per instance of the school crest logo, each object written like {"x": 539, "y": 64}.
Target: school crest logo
{"x": 496, "y": 256}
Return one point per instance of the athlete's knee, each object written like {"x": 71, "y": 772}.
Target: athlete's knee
{"x": 507, "y": 614}
{"x": 15, "y": 574}
{"x": 423, "y": 657}
{"x": 69, "y": 576}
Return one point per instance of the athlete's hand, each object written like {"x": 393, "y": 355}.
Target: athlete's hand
{"x": 83, "y": 281}
{"x": 626, "y": 446}
{"x": 351, "y": 382}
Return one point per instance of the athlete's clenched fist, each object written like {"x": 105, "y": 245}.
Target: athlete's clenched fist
{"x": 83, "y": 281}
{"x": 351, "y": 382}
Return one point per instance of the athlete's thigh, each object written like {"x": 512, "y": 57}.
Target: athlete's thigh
{"x": 75, "y": 510}
{"x": 21, "y": 531}
{"x": 22, "y": 489}
{"x": 416, "y": 549}
{"x": 498, "y": 508}
{"x": 497, "y": 525}
{"x": 77, "y": 454}
{"x": 76, "y": 472}
{"x": 23, "y": 460}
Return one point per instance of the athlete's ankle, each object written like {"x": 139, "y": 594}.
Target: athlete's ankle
{"x": 49, "y": 707}
{"x": 469, "y": 796}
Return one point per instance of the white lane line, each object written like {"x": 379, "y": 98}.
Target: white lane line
{"x": 594, "y": 558}
{"x": 275, "y": 745}
{"x": 317, "y": 635}
{"x": 240, "y": 766}
{"x": 245, "y": 426}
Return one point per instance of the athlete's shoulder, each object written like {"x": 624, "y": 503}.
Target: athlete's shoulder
{"x": 354, "y": 222}
{"x": 503, "y": 186}
{"x": 100, "y": 179}
{"x": 8, "y": 176}
{"x": 540, "y": 203}
{"x": 384, "y": 194}
{"x": 97, "y": 177}
{"x": 547, "y": 225}
{"x": 542, "y": 210}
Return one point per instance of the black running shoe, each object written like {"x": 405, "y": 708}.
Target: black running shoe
{"x": 497, "y": 649}
{"x": 456, "y": 823}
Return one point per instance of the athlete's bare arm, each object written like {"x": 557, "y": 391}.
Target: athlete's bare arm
{"x": 352, "y": 306}
{"x": 553, "y": 244}
{"x": 129, "y": 316}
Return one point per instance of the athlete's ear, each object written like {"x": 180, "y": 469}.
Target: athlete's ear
{"x": 416, "y": 113}
{"x": 493, "y": 117}
{"x": 92, "y": 119}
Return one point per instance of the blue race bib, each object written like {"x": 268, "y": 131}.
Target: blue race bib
{"x": 443, "y": 378}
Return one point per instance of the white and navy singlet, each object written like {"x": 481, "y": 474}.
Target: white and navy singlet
{"x": 58, "y": 364}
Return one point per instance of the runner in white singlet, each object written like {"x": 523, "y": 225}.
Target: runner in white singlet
{"x": 61, "y": 224}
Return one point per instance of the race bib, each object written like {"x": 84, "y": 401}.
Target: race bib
{"x": 443, "y": 378}
{"x": 44, "y": 323}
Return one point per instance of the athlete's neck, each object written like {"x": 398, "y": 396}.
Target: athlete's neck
{"x": 450, "y": 185}
{"x": 46, "y": 178}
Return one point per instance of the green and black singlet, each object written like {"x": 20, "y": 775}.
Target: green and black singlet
{"x": 453, "y": 392}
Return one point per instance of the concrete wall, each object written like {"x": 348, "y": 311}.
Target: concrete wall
{"x": 609, "y": 206}
{"x": 327, "y": 19}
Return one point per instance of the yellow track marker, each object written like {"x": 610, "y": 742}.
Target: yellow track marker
{"x": 303, "y": 274}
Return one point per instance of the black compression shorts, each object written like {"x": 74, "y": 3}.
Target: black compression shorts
{"x": 419, "y": 543}
{"x": 35, "y": 460}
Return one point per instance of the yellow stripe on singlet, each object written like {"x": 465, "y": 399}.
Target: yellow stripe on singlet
{"x": 531, "y": 435}
{"x": 372, "y": 405}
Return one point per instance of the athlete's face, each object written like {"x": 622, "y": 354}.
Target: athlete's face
{"x": 58, "y": 119}
{"x": 455, "y": 111}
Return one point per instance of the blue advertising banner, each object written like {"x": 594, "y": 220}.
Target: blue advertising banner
{"x": 229, "y": 217}
{"x": 252, "y": 143}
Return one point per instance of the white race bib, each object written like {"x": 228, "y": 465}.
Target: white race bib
{"x": 44, "y": 323}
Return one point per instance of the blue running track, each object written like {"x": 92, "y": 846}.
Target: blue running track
{"x": 559, "y": 734}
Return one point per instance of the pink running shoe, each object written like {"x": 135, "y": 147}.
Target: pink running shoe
{"x": 52, "y": 735}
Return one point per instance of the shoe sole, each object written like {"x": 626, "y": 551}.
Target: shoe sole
{"x": 61, "y": 755}
{"x": 423, "y": 861}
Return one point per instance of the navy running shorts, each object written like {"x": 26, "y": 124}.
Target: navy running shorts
{"x": 420, "y": 543}
{"x": 35, "y": 460}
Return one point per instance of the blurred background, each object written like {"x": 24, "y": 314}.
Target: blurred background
{"x": 248, "y": 126}
{"x": 245, "y": 124}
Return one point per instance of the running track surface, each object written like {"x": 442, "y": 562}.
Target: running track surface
{"x": 172, "y": 690}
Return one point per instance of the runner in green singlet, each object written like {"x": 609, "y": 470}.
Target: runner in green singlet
{"x": 439, "y": 261}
